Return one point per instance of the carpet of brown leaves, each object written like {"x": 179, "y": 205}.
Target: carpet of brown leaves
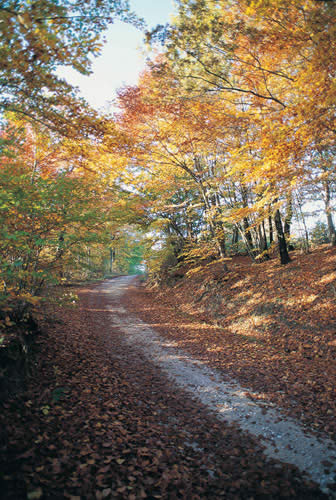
{"x": 272, "y": 327}
{"x": 98, "y": 421}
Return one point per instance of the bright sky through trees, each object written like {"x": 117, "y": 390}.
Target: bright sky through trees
{"x": 122, "y": 59}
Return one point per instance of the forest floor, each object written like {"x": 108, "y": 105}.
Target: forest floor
{"x": 271, "y": 327}
{"x": 99, "y": 420}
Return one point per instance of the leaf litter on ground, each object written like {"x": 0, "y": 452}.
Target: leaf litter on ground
{"x": 123, "y": 431}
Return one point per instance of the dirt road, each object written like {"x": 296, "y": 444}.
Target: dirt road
{"x": 282, "y": 437}
{"x": 113, "y": 411}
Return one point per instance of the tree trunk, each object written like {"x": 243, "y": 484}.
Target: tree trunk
{"x": 306, "y": 235}
{"x": 270, "y": 230}
{"x": 234, "y": 241}
{"x": 262, "y": 242}
{"x": 216, "y": 228}
{"x": 112, "y": 258}
{"x": 247, "y": 244}
{"x": 288, "y": 221}
{"x": 264, "y": 235}
{"x": 190, "y": 234}
{"x": 327, "y": 204}
{"x": 284, "y": 257}
{"x": 221, "y": 246}
{"x": 246, "y": 224}
{"x": 60, "y": 248}
{"x": 248, "y": 233}
{"x": 220, "y": 238}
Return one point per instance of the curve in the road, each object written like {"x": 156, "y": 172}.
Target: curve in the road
{"x": 284, "y": 438}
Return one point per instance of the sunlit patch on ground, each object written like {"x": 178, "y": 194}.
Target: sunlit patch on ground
{"x": 276, "y": 328}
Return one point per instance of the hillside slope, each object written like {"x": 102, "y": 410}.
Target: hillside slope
{"x": 271, "y": 327}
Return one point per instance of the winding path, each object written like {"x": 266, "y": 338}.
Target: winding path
{"x": 283, "y": 438}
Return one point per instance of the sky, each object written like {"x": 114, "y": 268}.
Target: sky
{"x": 122, "y": 58}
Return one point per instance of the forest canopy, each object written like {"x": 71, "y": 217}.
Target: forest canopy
{"x": 219, "y": 149}
{"x": 232, "y": 126}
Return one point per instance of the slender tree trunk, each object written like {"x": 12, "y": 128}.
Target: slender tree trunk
{"x": 327, "y": 204}
{"x": 221, "y": 245}
{"x": 284, "y": 257}
{"x": 216, "y": 229}
{"x": 270, "y": 230}
{"x": 220, "y": 229}
{"x": 260, "y": 239}
{"x": 234, "y": 241}
{"x": 248, "y": 234}
{"x": 247, "y": 244}
{"x": 112, "y": 258}
{"x": 61, "y": 248}
{"x": 261, "y": 243}
{"x": 190, "y": 234}
{"x": 264, "y": 235}
{"x": 288, "y": 221}
{"x": 306, "y": 234}
{"x": 34, "y": 169}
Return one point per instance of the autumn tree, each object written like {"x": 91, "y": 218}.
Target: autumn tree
{"x": 38, "y": 37}
{"x": 177, "y": 139}
{"x": 52, "y": 160}
{"x": 274, "y": 62}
